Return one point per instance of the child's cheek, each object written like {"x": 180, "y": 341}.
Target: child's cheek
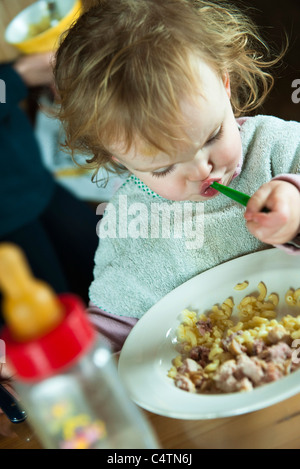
{"x": 231, "y": 152}
{"x": 167, "y": 190}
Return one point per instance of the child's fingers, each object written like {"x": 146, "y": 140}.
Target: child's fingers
{"x": 276, "y": 217}
{"x": 264, "y": 197}
{"x": 266, "y": 229}
{"x": 274, "y": 227}
{"x": 258, "y": 200}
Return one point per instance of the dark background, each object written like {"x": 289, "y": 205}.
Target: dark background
{"x": 274, "y": 17}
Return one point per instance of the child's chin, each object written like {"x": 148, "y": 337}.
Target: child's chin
{"x": 200, "y": 198}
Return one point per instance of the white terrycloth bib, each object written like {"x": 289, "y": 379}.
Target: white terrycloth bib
{"x": 148, "y": 245}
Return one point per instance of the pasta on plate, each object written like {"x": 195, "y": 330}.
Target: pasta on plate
{"x": 222, "y": 351}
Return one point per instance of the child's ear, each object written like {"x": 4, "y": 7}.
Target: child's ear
{"x": 115, "y": 159}
{"x": 226, "y": 81}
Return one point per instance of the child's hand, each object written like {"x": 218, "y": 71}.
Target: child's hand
{"x": 282, "y": 223}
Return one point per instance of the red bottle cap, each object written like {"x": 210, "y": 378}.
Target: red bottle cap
{"x": 59, "y": 349}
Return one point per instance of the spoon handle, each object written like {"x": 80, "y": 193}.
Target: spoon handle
{"x": 237, "y": 196}
{"x": 231, "y": 193}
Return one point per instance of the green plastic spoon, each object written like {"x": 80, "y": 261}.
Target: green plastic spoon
{"x": 239, "y": 197}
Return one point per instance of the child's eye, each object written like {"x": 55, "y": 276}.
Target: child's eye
{"x": 165, "y": 172}
{"x": 218, "y": 135}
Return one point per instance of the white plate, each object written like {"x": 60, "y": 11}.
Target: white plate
{"x": 149, "y": 349}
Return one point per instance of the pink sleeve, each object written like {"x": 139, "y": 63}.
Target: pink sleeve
{"x": 292, "y": 178}
{"x": 294, "y": 247}
{"x": 112, "y": 328}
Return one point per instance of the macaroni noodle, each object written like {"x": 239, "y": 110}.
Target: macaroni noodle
{"x": 211, "y": 344}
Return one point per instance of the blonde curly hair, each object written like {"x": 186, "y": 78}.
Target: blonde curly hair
{"x": 123, "y": 68}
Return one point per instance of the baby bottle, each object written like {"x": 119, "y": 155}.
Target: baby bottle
{"x": 65, "y": 376}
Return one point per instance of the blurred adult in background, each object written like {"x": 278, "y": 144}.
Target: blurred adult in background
{"x": 56, "y": 230}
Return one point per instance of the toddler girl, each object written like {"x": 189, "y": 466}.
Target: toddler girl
{"x": 162, "y": 90}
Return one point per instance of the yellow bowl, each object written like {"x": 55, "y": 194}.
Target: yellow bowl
{"x": 17, "y": 32}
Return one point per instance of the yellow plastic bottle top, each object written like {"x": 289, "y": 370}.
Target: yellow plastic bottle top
{"x": 30, "y": 306}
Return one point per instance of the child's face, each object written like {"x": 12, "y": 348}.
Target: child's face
{"x": 212, "y": 154}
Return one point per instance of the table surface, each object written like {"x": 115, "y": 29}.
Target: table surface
{"x": 276, "y": 427}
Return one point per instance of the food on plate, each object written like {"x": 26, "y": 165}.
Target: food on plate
{"x": 241, "y": 286}
{"x": 39, "y": 28}
{"x": 223, "y": 353}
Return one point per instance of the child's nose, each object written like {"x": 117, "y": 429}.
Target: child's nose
{"x": 199, "y": 170}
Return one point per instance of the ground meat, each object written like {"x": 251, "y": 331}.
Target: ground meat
{"x": 204, "y": 326}
{"x": 184, "y": 383}
{"x": 258, "y": 347}
{"x": 273, "y": 372}
{"x": 279, "y": 334}
{"x": 224, "y": 378}
{"x": 229, "y": 378}
{"x": 231, "y": 375}
{"x": 189, "y": 366}
{"x": 250, "y": 368}
{"x": 246, "y": 367}
{"x": 201, "y": 355}
{"x": 228, "y": 341}
{"x": 241, "y": 374}
{"x": 276, "y": 353}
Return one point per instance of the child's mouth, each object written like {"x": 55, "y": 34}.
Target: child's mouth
{"x": 206, "y": 190}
